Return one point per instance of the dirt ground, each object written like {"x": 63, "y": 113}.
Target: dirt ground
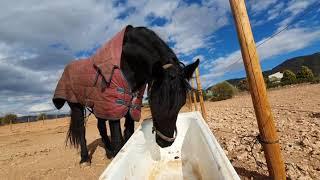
{"x": 37, "y": 150}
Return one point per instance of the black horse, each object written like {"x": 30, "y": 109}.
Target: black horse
{"x": 145, "y": 59}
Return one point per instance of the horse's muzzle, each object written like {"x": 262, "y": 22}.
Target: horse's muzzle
{"x": 163, "y": 143}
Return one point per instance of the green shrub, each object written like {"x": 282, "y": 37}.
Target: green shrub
{"x": 305, "y": 74}
{"x": 41, "y": 116}
{"x": 243, "y": 85}
{"x": 7, "y": 118}
{"x": 271, "y": 83}
{"x": 288, "y": 78}
{"x": 205, "y": 96}
{"x": 316, "y": 80}
{"x": 222, "y": 91}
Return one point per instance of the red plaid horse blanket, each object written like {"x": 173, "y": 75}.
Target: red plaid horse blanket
{"x": 98, "y": 83}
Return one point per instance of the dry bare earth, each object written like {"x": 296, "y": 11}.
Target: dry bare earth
{"x": 37, "y": 151}
{"x": 296, "y": 111}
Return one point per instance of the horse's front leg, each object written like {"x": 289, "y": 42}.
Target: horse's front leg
{"x": 104, "y": 136}
{"x": 116, "y": 136}
{"x": 129, "y": 127}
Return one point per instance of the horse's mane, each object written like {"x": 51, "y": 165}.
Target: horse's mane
{"x": 164, "y": 52}
{"x": 172, "y": 87}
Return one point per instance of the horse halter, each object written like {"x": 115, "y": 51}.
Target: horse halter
{"x": 164, "y": 137}
{"x": 154, "y": 129}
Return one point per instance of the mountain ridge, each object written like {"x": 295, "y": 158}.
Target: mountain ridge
{"x": 312, "y": 61}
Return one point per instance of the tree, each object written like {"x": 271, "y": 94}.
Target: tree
{"x": 222, "y": 91}
{"x": 8, "y": 118}
{"x": 243, "y": 85}
{"x": 288, "y": 78}
{"x": 1, "y": 120}
{"x": 41, "y": 116}
{"x": 205, "y": 96}
{"x": 271, "y": 82}
{"x": 305, "y": 74}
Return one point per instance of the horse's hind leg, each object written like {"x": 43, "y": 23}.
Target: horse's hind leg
{"x": 77, "y": 131}
{"x": 129, "y": 127}
{"x": 116, "y": 136}
{"x": 103, "y": 133}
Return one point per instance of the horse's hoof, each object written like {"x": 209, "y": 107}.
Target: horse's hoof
{"x": 109, "y": 156}
{"x": 85, "y": 164}
{"x": 109, "y": 153}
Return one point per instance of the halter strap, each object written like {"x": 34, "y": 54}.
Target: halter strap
{"x": 166, "y": 66}
{"x": 164, "y": 137}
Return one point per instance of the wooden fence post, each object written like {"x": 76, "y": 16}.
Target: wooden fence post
{"x": 268, "y": 135}
{"x": 189, "y": 101}
{"x": 203, "y": 109}
{"x": 194, "y": 95}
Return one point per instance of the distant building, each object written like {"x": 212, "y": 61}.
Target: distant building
{"x": 276, "y": 77}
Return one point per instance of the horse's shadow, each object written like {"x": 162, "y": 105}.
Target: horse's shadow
{"x": 92, "y": 147}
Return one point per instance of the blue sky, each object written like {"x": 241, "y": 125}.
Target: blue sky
{"x": 38, "y": 39}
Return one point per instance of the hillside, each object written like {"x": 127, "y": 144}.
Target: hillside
{"x": 312, "y": 61}
{"x": 294, "y": 64}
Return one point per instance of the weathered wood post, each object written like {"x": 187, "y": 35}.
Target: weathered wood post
{"x": 203, "y": 109}
{"x": 194, "y": 95}
{"x": 268, "y": 135}
{"x": 189, "y": 101}
{"x": 10, "y": 124}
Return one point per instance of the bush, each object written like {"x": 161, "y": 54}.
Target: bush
{"x": 305, "y": 74}
{"x": 205, "y": 95}
{"x": 271, "y": 83}
{"x": 288, "y": 78}
{"x": 243, "y": 85}
{"x": 7, "y": 118}
{"x": 222, "y": 91}
{"x": 41, "y": 116}
{"x": 316, "y": 80}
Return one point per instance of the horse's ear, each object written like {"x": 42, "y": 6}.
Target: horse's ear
{"x": 188, "y": 70}
{"x": 157, "y": 70}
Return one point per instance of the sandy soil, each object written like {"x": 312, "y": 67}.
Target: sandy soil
{"x": 37, "y": 150}
{"x": 296, "y": 112}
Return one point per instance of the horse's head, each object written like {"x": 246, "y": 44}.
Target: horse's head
{"x": 167, "y": 95}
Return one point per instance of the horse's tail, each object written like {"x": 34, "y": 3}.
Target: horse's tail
{"x": 76, "y": 129}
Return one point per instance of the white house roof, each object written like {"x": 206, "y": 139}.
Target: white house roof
{"x": 276, "y": 75}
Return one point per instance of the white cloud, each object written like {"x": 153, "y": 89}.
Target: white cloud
{"x": 42, "y": 107}
{"x": 28, "y": 29}
{"x": 294, "y": 8}
{"x": 275, "y": 11}
{"x": 288, "y": 41}
{"x": 190, "y": 27}
{"x": 258, "y": 6}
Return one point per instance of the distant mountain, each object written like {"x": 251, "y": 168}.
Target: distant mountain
{"x": 311, "y": 61}
{"x": 294, "y": 64}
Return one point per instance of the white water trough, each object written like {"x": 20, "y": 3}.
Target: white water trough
{"x": 195, "y": 154}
